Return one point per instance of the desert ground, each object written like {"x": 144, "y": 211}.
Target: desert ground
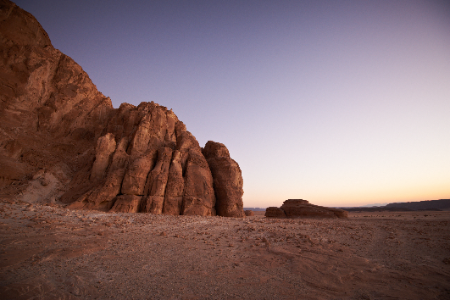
{"x": 50, "y": 252}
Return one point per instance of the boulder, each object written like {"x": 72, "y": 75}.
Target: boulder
{"x": 249, "y": 213}
{"x": 299, "y": 208}
{"x": 228, "y": 183}
{"x": 275, "y": 212}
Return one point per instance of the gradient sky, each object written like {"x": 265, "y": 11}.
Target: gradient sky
{"x": 342, "y": 103}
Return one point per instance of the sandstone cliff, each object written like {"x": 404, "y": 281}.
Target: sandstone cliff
{"x": 62, "y": 140}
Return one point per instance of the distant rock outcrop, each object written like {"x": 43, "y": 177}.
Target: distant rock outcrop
{"x": 61, "y": 139}
{"x": 431, "y": 205}
{"x": 249, "y": 213}
{"x": 294, "y": 208}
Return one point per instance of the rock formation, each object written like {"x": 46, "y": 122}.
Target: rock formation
{"x": 249, "y": 213}
{"x": 227, "y": 180}
{"x": 298, "y": 208}
{"x": 62, "y": 140}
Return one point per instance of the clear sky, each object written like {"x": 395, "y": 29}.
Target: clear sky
{"x": 342, "y": 103}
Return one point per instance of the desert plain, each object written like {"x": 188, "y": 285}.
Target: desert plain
{"x": 51, "y": 252}
{"x": 174, "y": 227}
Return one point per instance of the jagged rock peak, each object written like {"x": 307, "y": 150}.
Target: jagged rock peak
{"x": 61, "y": 139}
{"x": 20, "y": 28}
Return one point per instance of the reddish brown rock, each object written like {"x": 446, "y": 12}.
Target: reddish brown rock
{"x": 275, "y": 212}
{"x": 90, "y": 155}
{"x": 175, "y": 186}
{"x": 295, "y": 208}
{"x": 43, "y": 89}
{"x": 228, "y": 183}
{"x": 249, "y": 213}
{"x": 152, "y": 204}
{"x": 11, "y": 149}
{"x": 157, "y": 178}
{"x": 21, "y": 27}
{"x": 151, "y": 130}
{"x": 198, "y": 196}
{"x": 127, "y": 204}
{"x": 103, "y": 195}
{"x": 104, "y": 149}
{"x": 137, "y": 173}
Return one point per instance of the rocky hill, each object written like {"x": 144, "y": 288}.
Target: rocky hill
{"x": 61, "y": 140}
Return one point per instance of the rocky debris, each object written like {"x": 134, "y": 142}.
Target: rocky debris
{"x": 92, "y": 156}
{"x": 295, "y": 208}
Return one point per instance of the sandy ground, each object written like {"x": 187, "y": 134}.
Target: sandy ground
{"x": 49, "y": 252}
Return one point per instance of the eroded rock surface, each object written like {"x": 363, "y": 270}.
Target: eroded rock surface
{"x": 228, "y": 183}
{"x": 297, "y": 208}
{"x": 62, "y": 140}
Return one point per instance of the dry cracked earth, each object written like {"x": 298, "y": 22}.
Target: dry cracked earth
{"x": 50, "y": 252}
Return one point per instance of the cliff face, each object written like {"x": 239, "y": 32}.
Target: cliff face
{"x": 145, "y": 161}
{"x": 61, "y": 139}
